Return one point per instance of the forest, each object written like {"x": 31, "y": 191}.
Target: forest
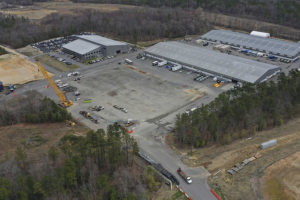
{"x": 145, "y": 24}
{"x": 285, "y": 12}
{"x": 241, "y": 112}
{"x": 99, "y": 165}
{"x": 31, "y": 108}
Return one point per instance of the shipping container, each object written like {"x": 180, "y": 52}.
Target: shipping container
{"x": 268, "y": 144}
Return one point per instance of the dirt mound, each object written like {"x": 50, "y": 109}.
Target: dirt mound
{"x": 16, "y": 69}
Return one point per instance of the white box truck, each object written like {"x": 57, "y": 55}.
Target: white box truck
{"x": 176, "y": 68}
{"x": 162, "y": 63}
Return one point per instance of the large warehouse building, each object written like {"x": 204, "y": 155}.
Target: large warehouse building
{"x": 87, "y": 46}
{"x": 269, "y": 46}
{"x": 219, "y": 64}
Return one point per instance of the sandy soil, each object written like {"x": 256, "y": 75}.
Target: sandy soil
{"x": 284, "y": 177}
{"x": 17, "y": 69}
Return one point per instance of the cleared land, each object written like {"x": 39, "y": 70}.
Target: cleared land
{"x": 282, "y": 179}
{"x": 41, "y": 10}
{"x": 218, "y": 159}
{"x": 29, "y": 51}
{"x": 34, "y": 137}
{"x": 16, "y": 69}
{"x": 60, "y": 66}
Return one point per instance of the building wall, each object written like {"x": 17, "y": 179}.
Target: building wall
{"x": 113, "y": 50}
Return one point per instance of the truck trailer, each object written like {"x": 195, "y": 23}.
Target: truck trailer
{"x": 184, "y": 176}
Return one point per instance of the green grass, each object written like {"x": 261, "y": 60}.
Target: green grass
{"x": 178, "y": 196}
{"x": 52, "y": 62}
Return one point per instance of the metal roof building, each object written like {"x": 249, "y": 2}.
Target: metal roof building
{"x": 245, "y": 41}
{"x": 229, "y": 66}
{"x": 87, "y": 46}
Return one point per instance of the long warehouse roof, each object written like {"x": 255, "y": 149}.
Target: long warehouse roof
{"x": 81, "y": 46}
{"x": 211, "y": 61}
{"x": 101, "y": 40}
{"x": 268, "y": 45}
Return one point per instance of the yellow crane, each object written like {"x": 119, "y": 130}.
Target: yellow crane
{"x": 63, "y": 100}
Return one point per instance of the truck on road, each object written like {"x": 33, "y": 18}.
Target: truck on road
{"x": 162, "y": 63}
{"x": 184, "y": 176}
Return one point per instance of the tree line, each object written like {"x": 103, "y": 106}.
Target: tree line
{"x": 131, "y": 25}
{"x": 241, "y": 112}
{"x": 97, "y": 166}
{"x": 31, "y": 108}
{"x": 285, "y": 12}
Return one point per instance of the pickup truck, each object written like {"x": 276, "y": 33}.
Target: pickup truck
{"x": 184, "y": 176}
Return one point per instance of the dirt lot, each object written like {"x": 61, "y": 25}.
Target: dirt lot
{"x": 29, "y": 51}
{"x": 16, "y": 69}
{"x": 282, "y": 179}
{"x": 60, "y": 66}
{"x": 217, "y": 159}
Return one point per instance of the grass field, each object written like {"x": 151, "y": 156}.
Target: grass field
{"x": 60, "y": 66}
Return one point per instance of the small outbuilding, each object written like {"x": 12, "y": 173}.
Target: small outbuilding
{"x": 268, "y": 144}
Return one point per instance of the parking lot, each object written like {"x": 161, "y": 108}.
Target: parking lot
{"x": 146, "y": 92}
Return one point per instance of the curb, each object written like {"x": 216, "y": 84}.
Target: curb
{"x": 184, "y": 193}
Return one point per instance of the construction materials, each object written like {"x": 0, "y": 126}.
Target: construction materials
{"x": 63, "y": 100}
{"x": 87, "y": 101}
{"x": 96, "y": 108}
{"x": 120, "y": 108}
{"x": 268, "y": 144}
{"x": 184, "y": 176}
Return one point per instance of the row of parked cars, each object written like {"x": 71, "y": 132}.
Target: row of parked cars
{"x": 53, "y": 44}
{"x": 99, "y": 60}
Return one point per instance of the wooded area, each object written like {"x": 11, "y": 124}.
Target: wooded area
{"x": 140, "y": 24}
{"x": 241, "y": 112}
{"x": 97, "y": 166}
{"x": 31, "y": 108}
{"x": 285, "y": 12}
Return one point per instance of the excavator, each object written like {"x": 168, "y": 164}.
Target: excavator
{"x": 64, "y": 102}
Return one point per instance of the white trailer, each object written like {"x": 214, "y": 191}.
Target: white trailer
{"x": 260, "y": 34}
{"x": 162, "y": 63}
{"x": 128, "y": 61}
{"x": 176, "y": 68}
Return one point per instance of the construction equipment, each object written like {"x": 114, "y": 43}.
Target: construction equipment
{"x": 63, "y": 100}
{"x": 70, "y": 123}
{"x": 87, "y": 115}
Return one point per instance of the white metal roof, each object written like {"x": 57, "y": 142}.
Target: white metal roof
{"x": 101, "y": 40}
{"x": 268, "y": 45}
{"x": 212, "y": 61}
{"x": 81, "y": 46}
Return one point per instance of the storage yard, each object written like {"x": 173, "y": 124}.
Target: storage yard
{"x": 269, "y": 46}
{"x": 212, "y": 62}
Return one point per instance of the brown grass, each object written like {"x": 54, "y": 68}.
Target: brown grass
{"x": 281, "y": 180}
{"x": 60, "y": 66}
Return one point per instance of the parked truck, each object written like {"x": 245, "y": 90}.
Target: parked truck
{"x": 128, "y": 61}
{"x": 176, "y": 68}
{"x": 162, "y": 63}
{"x": 184, "y": 176}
